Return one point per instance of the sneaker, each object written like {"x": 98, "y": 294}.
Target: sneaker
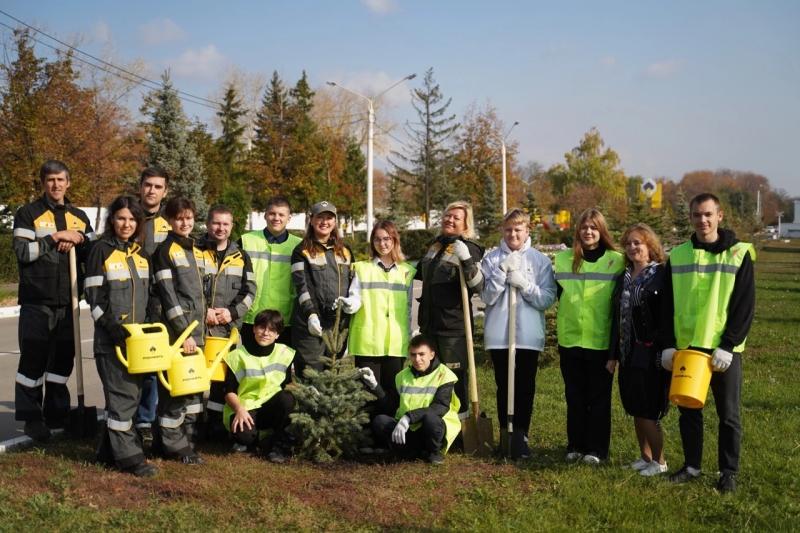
{"x": 37, "y": 430}
{"x": 573, "y": 456}
{"x": 653, "y": 469}
{"x": 726, "y": 483}
{"x": 238, "y": 448}
{"x": 639, "y": 464}
{"x": 435, "y": 458}
{"x": 276, "y": 456}
{"x": 686, "y": 473}
{"x": 143, "y": 469}
{"x": 192, "y": 459}
{"x": 590, "y": 459}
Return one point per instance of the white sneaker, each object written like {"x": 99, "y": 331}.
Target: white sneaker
{"x": 591, "y": 459}
{"x": 639, "y": 464}
{"x": 573, "y": 456}
{"x": 654, "y": 469}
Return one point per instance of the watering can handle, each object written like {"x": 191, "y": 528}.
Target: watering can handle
{"x": 121, "y": 357}
{"x": 163, "y": 380}
{"x": 218, "y": 359}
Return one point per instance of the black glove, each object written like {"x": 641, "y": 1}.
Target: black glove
{"x": 118, "y": 334}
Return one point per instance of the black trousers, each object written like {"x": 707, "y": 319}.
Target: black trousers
{"x": 273, "y": 414}
{"x": 727, "y": 390}
{"x": 587, "y": 389}
{"x": 47, "y": 355}
{"x": 122, "y": 392}
{"x": 428, "y": 439}
{"x": 527, "y": 363}
{"x": 385, "y": 369}
{"x": 452, "y": 351}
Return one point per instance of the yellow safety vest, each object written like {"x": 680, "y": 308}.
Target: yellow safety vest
{"x": 702, "y": 284}
{"x": 584, "y": 309}
{"x": 272, "y": 266}
{"x": 380, "y": 326}
{"x": 259, "y": 378}
{"x": 418, "y": 393}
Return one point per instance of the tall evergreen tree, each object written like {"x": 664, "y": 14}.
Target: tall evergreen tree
{"x": 681, "y": 221}
{"x": 427, "y": 156}
{"x": 488, "y": 212}
{"x": 169, "y": 145}
{"x": 230, "y": 141}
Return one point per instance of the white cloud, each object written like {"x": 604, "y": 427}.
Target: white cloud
{"x": 381, "y": 7}
{"x": 101, "y": 32}
{"x": 204, "y": 63}
{"x": 161, "y": 30}
{"x": 608, "y": 61}
{"x": 663, "y": 69}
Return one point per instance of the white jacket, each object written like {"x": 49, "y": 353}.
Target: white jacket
{"x": 531, "y": 304}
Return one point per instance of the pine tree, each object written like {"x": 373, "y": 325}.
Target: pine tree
{"x": 487, "y": 217}
{"x": 330, "y": 419}
{"x": 230, "y": 147}
{"x": 270, "y": 144}
{"x": 426, "y": 158}
{"x": 169, "y": 146}
{"x": 681, "y": 220}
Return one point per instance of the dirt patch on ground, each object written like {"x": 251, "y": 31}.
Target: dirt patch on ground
{"x": 372, "y": 495}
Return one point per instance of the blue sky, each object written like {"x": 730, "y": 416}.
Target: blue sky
{"x": 672, "y": 86}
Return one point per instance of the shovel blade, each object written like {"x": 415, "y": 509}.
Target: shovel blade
{"x": 478, "y": 436}
{"x": 82, "y": 422}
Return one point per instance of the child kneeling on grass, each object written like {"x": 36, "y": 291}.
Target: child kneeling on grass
{"x": 426, "y": 422}
{"x": 257, "y": 407}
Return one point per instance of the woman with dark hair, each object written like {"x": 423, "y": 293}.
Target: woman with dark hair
{"x": 380, "y": 302}
{"x": 643, "y": 385}
{"x": 320, "y": 274}
{"x": 585, "y": 276}
{"x": 179, "y": 269}
{"x": 117, "y": 283}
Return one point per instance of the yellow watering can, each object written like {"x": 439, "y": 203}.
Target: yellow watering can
{"x": 189, "y": 373}
{"x": 148, "y": 348}
{"x": 214, "y": 347}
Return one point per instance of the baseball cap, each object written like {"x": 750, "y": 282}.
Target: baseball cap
{"x": 323, "y": 207}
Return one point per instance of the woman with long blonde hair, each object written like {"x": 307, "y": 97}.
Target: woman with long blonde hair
{"x": 586, "y": 276}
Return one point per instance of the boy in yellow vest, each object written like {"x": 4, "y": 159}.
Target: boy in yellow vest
{"x": 710, "y": 294}
{"x": 255, "y": 399}
{"x": 426, "y": 422}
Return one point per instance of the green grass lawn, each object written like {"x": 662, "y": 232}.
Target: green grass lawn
{"x": 57, "y": 488}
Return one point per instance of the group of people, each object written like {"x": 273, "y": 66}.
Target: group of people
{"x": 628, "y": 310}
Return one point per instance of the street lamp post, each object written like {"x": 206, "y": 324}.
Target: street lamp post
{"x": 370, "y": 137}
{"x": 503, "y": 154}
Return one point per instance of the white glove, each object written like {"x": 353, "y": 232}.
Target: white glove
{"x": 368, "y": 376}
{"x": 314, "y": 327}
{"x": 516, "y": 278}
{"x": 399, "y": 433}
{"x": 512, "y": 262}
{"x": 348, "y": 305}
{"x": 721, "y": 360}
{"x": 461, "y": 251}
{"x": 666, "y": 358}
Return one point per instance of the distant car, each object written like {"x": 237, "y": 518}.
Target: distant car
{"x": 771, "y": 229}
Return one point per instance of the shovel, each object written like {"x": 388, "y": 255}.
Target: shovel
{"x": 477, "y": 431}
{"x": 82, "y": 420}
{"x": 514, "y": 443}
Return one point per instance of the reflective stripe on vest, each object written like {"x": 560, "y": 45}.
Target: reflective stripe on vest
{"x": 418, "y": 393}
{"x": 584, "y": 309}
{"x": 273, "y": 274}
{"x": 380, "y": 326}
{"x": 702, "y": 285}
{"x": 259, "y": 378}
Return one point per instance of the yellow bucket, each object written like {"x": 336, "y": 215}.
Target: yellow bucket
{"x": 691, "y": 376}
{"x": 219, "y": 345}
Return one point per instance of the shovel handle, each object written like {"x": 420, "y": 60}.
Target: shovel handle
{"x": 512, "y": 354}
{"x": 76, "y": 323}
{"x": 472, "y": 378}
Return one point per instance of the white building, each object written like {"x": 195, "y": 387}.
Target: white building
{"x": 791, "y": 230}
